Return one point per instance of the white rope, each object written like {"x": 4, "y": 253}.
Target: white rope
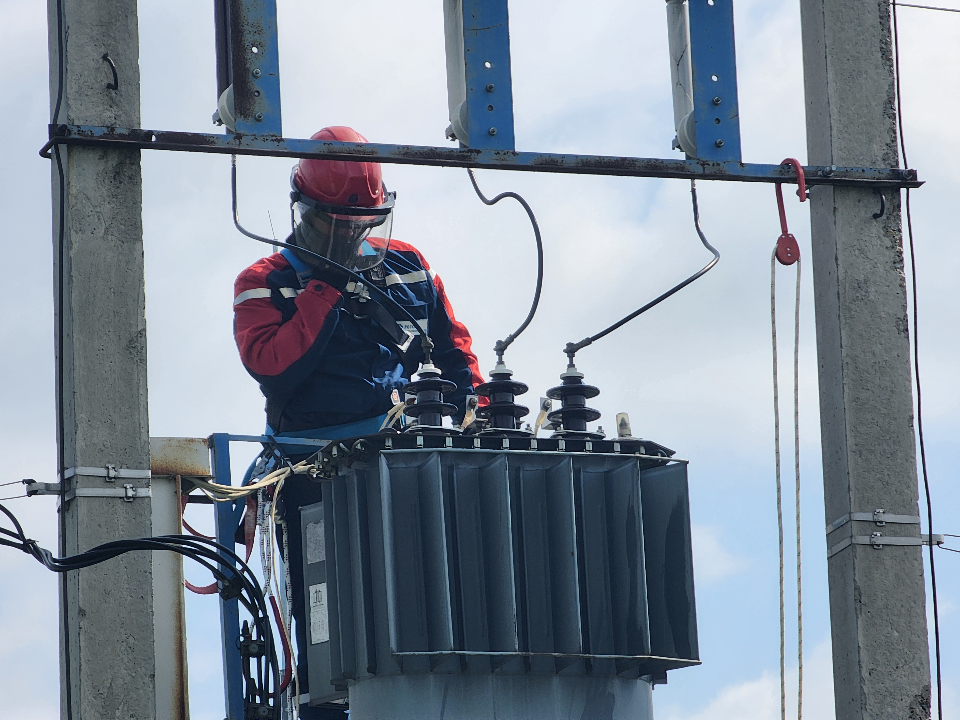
{"x": 796, "y": 440}
{"x": 294, "y": 696}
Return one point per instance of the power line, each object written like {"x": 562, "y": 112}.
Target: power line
{"x": 916, "y": 369}
{"x": 927, "y": 7}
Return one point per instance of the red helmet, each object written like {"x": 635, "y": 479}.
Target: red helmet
{"x": 346, "y": 213}
{"x": 336, "y": 182}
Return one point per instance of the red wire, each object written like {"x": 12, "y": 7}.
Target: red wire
{"x": 287, "y": 667}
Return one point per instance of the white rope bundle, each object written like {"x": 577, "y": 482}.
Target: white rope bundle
{"x": 796, "y": 440}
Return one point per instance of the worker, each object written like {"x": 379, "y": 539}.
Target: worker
{"x": 330, "y": 360}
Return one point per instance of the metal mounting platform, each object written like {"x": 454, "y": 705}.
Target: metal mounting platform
{"x": 271, "y": 146}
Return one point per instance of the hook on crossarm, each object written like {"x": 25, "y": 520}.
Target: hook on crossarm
{"x": 788, "y": 249}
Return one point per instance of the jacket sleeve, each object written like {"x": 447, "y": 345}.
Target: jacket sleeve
{"x": 453, "y": 352}
{"x": 280, "y": 354}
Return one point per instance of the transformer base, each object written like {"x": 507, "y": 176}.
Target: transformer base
{"x": 496, "y": 697}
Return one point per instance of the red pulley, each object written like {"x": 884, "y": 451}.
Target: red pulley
{"x": 788, "y": 249}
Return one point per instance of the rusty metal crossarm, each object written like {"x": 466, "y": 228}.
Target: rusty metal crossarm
{"x": 271, "y": 146}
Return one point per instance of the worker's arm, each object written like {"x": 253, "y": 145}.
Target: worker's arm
{"x": 453, "y": 352}
{"x": 282, "y": 332}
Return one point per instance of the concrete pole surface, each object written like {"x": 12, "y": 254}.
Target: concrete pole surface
{"x": 877, "y": 607}
{"x": 107, "y": 616}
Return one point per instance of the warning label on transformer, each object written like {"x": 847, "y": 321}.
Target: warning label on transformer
{"x": 319, "y": 627}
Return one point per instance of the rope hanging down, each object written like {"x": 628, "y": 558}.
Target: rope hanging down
{"x": 787, "y": 252}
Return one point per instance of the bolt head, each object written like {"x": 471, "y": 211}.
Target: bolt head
{"x": 259, "y": 117}
{"x": 490, "y": 87}
{"x": 716, "y": 100}
{"x": 492, "y": 131}
{"x": 719, "y": 143}
{"x": 256, "y": 72}
{"x": 909, "y": 174}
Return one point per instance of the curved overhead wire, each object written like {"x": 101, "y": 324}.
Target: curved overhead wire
{"x": 501, "y": 345}
{"x": 573, "y": 348}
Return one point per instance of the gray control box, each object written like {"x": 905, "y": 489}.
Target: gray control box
{"x": 315, "y": 589}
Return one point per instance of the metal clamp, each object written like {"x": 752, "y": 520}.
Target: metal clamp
{"x": 110, "y": 472}
{"x": 878, "y": 516}
{"x": 39, "y": 488}
{"x": 128, "y": 492}
{"x": 876, "y": 540}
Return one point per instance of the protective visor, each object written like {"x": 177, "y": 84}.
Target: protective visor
{"x": 355, "y": 237}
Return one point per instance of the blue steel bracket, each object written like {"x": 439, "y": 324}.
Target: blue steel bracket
{"x": 255, "y": 56}
{"x": 486, "y": 58}
{"x": 476, "y": 158}
{"x": 714, "y": 60}
{"x": 226, "y": 519}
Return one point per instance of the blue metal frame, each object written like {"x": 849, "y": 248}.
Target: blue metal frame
{"x": 227, "y": 517}
{"x": 256, "y": 67}
{"x": 714, "y": 60}
{"x": 486, "y": 44}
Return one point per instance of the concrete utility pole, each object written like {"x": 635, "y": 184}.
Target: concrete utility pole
{"x": 108, "y": 667}
{"x": 877, "y": 609}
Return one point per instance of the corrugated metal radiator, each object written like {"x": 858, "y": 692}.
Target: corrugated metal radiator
{"x": 479, "y": 562}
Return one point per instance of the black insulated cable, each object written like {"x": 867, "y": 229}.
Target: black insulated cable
{"x": 64, "y": 601}
{"x": 233, "y": 574}
{"x": 572, "y": 348}
{"x": 916, "y": 369}
{"x": 501, "y": 345}
{"x": 326, "y": 264}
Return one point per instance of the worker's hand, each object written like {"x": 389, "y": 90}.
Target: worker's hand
{"x": 332, "y": 276}
{"x": 317, "y": 286}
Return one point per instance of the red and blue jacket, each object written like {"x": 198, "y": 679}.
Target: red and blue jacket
{"x": 319, "y": 362}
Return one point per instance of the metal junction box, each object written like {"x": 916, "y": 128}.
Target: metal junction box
{"x": 517, "y": 578}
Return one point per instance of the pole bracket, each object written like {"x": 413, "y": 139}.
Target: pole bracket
{"x": 128, "y": 492}
{"x": 878, "y": 516}
{"x": 109, "y": 472}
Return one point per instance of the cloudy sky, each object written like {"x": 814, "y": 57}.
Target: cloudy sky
{"x": 694, "y": 374}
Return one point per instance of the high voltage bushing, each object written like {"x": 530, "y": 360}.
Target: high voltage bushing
{"x": 574, "y": 414}
{"x": 502, "y": 412}
{"x": 429, "y": 408}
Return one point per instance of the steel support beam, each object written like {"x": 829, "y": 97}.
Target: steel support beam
{"x": 852, "y": 175}
{"x": 877, "y": 608}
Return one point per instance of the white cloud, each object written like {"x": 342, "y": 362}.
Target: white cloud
{"x": 712, "y": 562}
{"x": 759, "y": 698}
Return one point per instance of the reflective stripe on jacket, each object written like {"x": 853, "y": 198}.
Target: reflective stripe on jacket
{"x": 318, "y": 363}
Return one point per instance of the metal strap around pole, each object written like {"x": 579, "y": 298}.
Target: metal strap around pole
{"x": 878, "y": 516}
{"x": 877, "y": 540}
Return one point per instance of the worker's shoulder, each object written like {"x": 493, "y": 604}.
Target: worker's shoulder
{"x": 407, "y": 253}
{"x": 264, "y": 267}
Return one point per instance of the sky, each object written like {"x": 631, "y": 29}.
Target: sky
{"x": 694, "y": 374}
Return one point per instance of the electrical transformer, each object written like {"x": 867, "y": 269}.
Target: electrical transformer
{"x": 497, "y": 576}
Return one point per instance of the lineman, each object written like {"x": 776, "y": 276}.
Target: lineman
{"x": 331, "y": 362}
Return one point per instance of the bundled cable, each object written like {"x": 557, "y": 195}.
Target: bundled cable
{"x": 230, "y": 493}
{"x": 235, "y": 578}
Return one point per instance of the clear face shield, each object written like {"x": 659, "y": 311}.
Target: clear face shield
{"x": 355, "y": 237}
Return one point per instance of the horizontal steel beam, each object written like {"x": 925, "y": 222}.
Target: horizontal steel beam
{"x": 474, "y": 158}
